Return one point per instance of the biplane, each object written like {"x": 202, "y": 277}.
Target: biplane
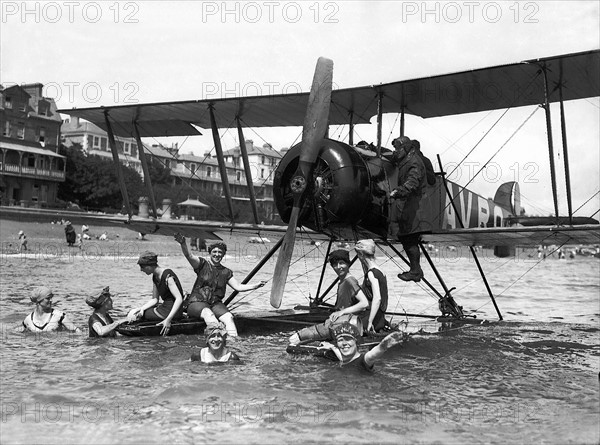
{"x": 342, "y": 191}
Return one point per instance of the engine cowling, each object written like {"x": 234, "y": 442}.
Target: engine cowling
{"x": 348, "y": 192}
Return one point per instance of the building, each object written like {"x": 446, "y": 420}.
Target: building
{"x": 30, "y": 166}
{"x": 263, "y": 161}
{"x": 94, "y": 141}
{"x": 191, "y": 176}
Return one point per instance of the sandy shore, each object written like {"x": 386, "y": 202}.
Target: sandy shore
{"x": 40, "y": 235}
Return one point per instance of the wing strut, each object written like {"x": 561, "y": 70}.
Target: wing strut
{"x": 563, "y": 128}
{"x": 220, "y": 159}
{"x": 402, "y": 102}
{"x": 550, "y": 141}
{"x": 379, "y": 121}
{"x": 317, "y": 298}
{"x": 255, "y": 270}
{"x": 145, "y": 169}
{"x": 457, "y": 213}
{"x": 351, "y": 127}
{"x": 247, "y": 170}
{"x": 115, "y": 155}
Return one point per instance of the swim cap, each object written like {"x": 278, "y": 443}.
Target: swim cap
{"x": 366, "y": 246}
{"x": 346, "y": 329}
{"x": 215, "y": 328}
{"x": 96, "y": 301}
{"x": 40, "y": 293}
{"x": 148, "y": 259}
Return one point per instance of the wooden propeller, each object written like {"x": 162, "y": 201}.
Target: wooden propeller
{"x": 313, "y": 132}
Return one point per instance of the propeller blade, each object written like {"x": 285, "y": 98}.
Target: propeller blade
{"x": 313, "y": 132}
{"x": 284, "y": 259}
{"x": 317, "y": 112}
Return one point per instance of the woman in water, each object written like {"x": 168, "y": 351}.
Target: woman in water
{"x": 100, "y": 322}
{"x": 166, "y": 286}
{"x": 44, "y": 318}
{"x": 348, "y": 337}
{"x": 216, "y": 346}
{"x": 206, "y": 299}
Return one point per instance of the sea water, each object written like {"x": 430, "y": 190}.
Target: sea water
{"x": 531, "y": 378}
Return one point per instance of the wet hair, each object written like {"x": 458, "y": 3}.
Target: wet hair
{"x": 148, "y": 258}
{"x": 339, "y": 255}
{"x": 220, "y": 245}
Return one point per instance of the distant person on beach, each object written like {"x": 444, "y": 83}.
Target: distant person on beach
{"x": 70, "y": 234}
{"x": 100, "y": 322}
{"x": 22, "y": 241}
{"x": 351, "y": 304}
{"x": 347, "y": 338}
{"x": 216, "y": 346}
{"x": 206, "y": 299}
{"x": 44, "y": 318}
{"x": 166, "y": 286}
{"x": 374, "y": 286}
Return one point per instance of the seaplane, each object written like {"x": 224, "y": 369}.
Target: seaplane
{"x": 340, "y": 191}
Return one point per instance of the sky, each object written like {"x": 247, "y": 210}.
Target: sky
{"x": 90, "y": 54}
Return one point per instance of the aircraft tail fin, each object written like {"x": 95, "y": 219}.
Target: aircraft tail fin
{"x": 508, "y": 196}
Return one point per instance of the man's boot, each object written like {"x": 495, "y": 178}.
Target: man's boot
{"x": 414, "y": 256}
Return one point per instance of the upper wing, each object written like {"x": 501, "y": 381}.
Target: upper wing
{"x": 518, "y": 236}
{"x": 499, "y": 87}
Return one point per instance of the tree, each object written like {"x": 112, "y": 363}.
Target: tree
{"x": 92, "y": 181}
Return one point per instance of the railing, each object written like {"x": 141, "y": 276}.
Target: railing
{"x": 32, "y": 171}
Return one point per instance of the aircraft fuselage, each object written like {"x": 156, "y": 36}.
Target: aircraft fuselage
{"x": 349, "y": 196}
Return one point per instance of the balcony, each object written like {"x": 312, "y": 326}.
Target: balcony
{"x": 32, "y": 172}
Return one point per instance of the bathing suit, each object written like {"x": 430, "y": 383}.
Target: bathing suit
{"x": 51, "y": 325}
{"x": 95, "y": 318}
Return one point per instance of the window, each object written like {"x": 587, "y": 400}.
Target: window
{"x": 8, "y": 102}
{"x": 42, "y": 138}
{"x": 43, "y": 108}
{"x": 167, "y": 163}
{"x": 192, "y": 167}
{"x": 6, "y": 129}
{"x": 96, "y": 142}
{"x": 239, "y": 176}
{"x": 103, "y": 142}
{"x": 262, "y": 159}
{"x": 21, "y": 130}
{"x": 127, "y": 148}
{"x": 208, "y": 172}
{"x": 22, "y": 106}
{"x": 35, "y": 192}
{"x": 262, "y": 173}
